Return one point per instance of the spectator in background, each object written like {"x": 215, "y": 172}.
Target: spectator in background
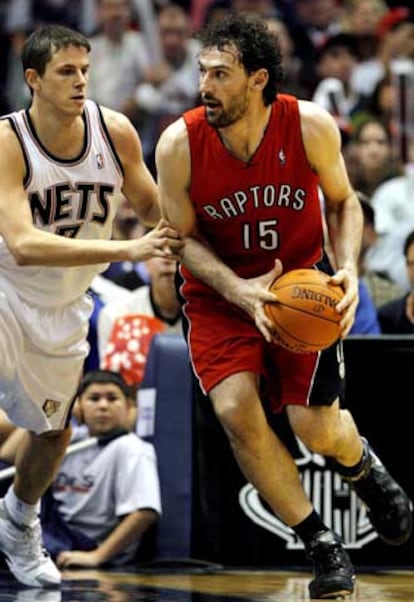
{"x": 119, "y": 55}
{"x": 292, "y": 64}
{"x": 396, "y": 40}
{"x": 107, "y": 495}
{"x": 216, "y": 10}
{"x": 381, "y": 288}
{"x": 366, "y": 319}
{"x": 171, "y": 86}
{"x": 198, "y": 13}
{"x": 381, "y": 103}
{"x": 394, "y": 218}
{"x": 315, "y": 22}
{"x": 257, "y": 8}
{"x": 126, "y": 327}
{"x": 16, "y": 92}
{"x": 202, "y": 11}
{"x": 336, "y": 60}
{"x": 361, "y": 18}
{"x": 19, "y": 19}
{"x": 118, "y": 279}
{"x": 27, "y": 15}
{"x": 101, "y": 290}
{"x": 397, "y": 317}
{"x": 371, "y": 160}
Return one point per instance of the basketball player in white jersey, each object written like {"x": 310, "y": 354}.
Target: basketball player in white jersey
{"x": 62, "y": 163}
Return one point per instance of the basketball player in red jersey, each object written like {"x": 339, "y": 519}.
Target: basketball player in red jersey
{"x": 239, "y": 178}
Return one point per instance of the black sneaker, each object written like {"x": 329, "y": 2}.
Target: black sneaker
{"x": 388, "y": 506}
{"x": 333, "y": 570}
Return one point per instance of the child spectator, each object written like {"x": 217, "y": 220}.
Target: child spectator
{"x": 106, "y": 495}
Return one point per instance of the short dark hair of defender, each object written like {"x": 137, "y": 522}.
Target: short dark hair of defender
{"x": 42, "y": 44}
{"x": 103, "y": 377}
{"x": 255, "y": 44}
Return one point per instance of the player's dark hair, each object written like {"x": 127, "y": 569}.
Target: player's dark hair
{"x": 255, "y": 44}
{"x": 42, "y": 44}
{"x": 103, "y": 377}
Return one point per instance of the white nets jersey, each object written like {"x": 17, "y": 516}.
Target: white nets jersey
{"x": 76, "y": 198}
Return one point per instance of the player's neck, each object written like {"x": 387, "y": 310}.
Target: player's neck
{"x": 243, "y": 138}
{"x": 62, "y": 136}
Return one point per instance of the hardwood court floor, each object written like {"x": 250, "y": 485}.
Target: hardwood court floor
{"x": 217, "y": 586}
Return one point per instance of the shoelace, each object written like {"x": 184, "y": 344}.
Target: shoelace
{"x": 31, "y": 545}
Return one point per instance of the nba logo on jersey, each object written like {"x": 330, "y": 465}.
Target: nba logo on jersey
{"x": 99, "y": 161}
{"x": 282, "y": 157}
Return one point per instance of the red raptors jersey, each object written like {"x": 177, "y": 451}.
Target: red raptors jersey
{"x": 252, "y": 213}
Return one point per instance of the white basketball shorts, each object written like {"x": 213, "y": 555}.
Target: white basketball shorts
{"x": 42, "y": 351}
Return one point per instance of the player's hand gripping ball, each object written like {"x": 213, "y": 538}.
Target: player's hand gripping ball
{"x": 305, "y": 318}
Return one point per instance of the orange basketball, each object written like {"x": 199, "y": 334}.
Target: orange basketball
{"x": 305, "y": 318}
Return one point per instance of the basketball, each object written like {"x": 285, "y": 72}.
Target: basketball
{"x": 305, "y": 318}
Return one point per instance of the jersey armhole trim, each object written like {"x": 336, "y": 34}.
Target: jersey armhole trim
{"x": 28, "y": 174}
{"x": 109, "y": 141}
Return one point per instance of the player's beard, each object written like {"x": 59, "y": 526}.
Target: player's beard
{"x": 235, "y": 110}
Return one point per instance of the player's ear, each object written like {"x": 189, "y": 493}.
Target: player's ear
{"x": 260, "y": 78}
{"x": 32, "y": 77}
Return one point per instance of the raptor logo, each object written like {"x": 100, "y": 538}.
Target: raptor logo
{"x": 338, "y": 505}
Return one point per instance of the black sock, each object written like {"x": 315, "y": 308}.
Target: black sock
{"x": 309, "y": 527}
{"x": 353, "y": 472}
